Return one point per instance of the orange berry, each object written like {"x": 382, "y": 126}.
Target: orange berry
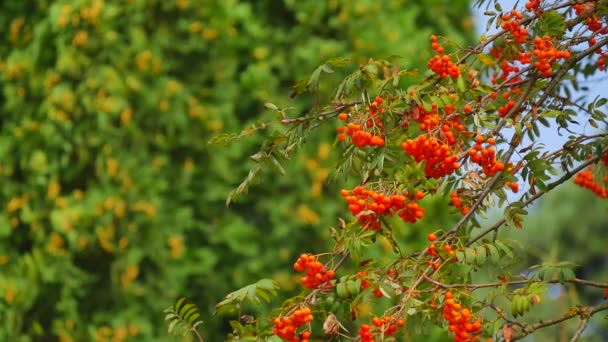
{"x": 343, "y": 116}
{"x": 432, "y": 237}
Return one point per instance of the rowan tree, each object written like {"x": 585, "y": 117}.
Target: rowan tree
{"x": 466, "y": 130}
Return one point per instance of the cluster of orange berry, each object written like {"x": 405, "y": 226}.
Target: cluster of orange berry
{"x": 439, "y": 159}
{"x": 455, "y": 200}
{"x": 358, "y": 135}
{"x": 382, "y": 324}
{"x": 378, "y": 204}
{"x": 375, "y": 110}
{"x": 585, "y": 179}
{"x": 432, "y": 251}
{"x": 442, "y": 65}
{"x": 533, "y": 5}
{"x": 286, "y": 327}
{"x": 601, "y": 62}
{"x": 513, "y": 185}
{"x": 486, "y": 157}
{"x": 460, "y": 320}
{"x": 506, "y": 69}
{"x": 430, "y": 120}
{"x": 387, "y": 324}
{"x": 316, "y": 273}
{"x": 547, "y": 55}
{"x": 427, "y": 120}
{"x": 364, "y": 282}
{"x": 592, "y": 21}
{"x": 511, "y": 22}
{"x": 594, "y": 25}
{"x": 506, "y": 108}
{"x": 366, "y": 334}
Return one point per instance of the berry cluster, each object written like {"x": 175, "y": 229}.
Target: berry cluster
{"x": 460, "y": 320}
{"x": 439, "y": 159}
{"x": 432, "y": 251}
{"x": 533, "y": 5}
{"x": 442, "y": 65}
{"x": 383, "y": 324}
{"x": 506, "y": 69}
{"x": 429, "y": 121}
{"x": 592, "y": 21}
{"x": 375, "y": 110}
{"x": 511, "y": 22}
{"x": 513, "y": 185}
{"x": 316, "y": 273}
{"x": 601, "y": 62}
{"x": 455, "y": 200}
{"x": 387, "y": 324}
{"x": 368, "y": 205}
{"x": 364, "y": 282}
{"x": 366, "y": 334}
{"x": 506, "y": 108}
{"x": 585, "y": 179}
{"x": 286, "y": 327}
{"x": 356, "y": 131}
{"x": 358, "y": 136}
{"x": 546, "y": 55}
{"x": 486, "y": 157}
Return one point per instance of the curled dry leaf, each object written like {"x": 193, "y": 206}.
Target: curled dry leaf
{"x": 331, "y": 326}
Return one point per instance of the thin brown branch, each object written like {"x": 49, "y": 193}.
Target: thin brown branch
{"x": 580, "y": 330}
{"x": 473, "y": 287}
{"x": 583, "y": 312}
{"x": 198, "y": 335}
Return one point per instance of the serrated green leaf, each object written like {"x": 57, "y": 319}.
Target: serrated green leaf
{"x": 184, "y": 309}
{"x": 486, "y": 60}
{"x": 276, "y": 164}
{"x": 551, "y": 23}
{"x": 460, "y": 83}
{"x": 271, "y": 106}
{"x": 469, "y": 254}
{"x": 179, "y": 303}
{"x": 189, "y": 313}
{"x": 341, "y": 290}
{"x": 494, "y": 254}
{"x": 480, "y": 255}
{"x": 437, "y": 101}
{"x": 504, "y": 248}
{"x": 353, "y": 287}
{"x": 192, "y": 319}
{"x": 172, "y": 325}
{"x": 460, "y": 256}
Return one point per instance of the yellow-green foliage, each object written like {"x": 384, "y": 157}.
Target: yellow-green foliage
{"x": 113, "y": 200}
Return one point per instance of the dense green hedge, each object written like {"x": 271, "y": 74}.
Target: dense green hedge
{"x": 113, "y": 197}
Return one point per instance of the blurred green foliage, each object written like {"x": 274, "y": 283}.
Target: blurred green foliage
{"x": 113, "y": 199}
